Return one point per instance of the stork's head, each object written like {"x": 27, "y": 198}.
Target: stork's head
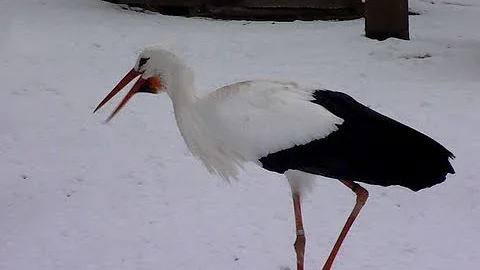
{"x": 153, "y": 67}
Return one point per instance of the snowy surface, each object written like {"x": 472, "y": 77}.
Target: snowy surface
{"x": 79, "y": 194}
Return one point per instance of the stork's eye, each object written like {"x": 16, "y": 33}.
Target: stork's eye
{"x": 142, "y": 62}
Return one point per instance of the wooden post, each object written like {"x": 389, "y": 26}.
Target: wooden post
{"x": 386, "y": 18}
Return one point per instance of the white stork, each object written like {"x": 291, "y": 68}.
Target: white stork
{"x": 288, "y": 129}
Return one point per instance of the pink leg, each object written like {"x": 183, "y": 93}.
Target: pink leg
{"x": 362, "y": 195}
{"x": 300, "y": 241}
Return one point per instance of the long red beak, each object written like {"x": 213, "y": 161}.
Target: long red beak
{"x": 128, "y": 78}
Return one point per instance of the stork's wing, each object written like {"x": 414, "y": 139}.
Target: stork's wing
{"x": 368, "y": 147}
{"x": 256, "y": 118}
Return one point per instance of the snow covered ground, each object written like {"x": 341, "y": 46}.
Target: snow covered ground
{"x": 78, "y": 194}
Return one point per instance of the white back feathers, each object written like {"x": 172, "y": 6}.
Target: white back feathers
{"x": 256, "y": 118}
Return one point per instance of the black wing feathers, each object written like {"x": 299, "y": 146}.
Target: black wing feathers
{"x": 368, "y": 147}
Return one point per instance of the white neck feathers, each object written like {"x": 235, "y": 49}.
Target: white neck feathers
{"x": 199, "y": 139}
{"x": 215, "y": 157}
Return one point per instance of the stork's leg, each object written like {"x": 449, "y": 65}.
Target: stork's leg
{"x": 362, "y": 195}
{"x": 300, "y": 241}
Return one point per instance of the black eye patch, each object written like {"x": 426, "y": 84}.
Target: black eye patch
{"x": 142, "y": 61}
